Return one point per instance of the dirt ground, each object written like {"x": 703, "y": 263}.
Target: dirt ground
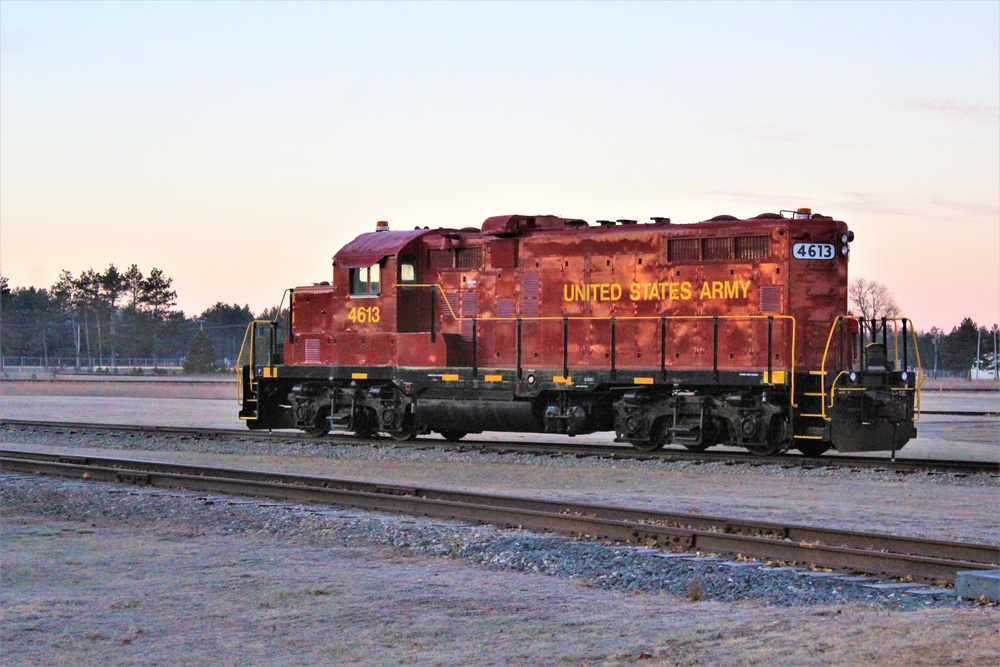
{"x": 175, "y": 594}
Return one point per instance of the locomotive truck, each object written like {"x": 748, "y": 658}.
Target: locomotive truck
{"x": 726, "y": 331}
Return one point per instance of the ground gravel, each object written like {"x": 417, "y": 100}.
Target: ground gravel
{"x": 93, "y": 574}
{"x": 98, "y": 575}
{"x": 609, "y": 567}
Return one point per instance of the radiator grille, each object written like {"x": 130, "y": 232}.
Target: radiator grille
{"x": 530, "y": 286}
{"x": 469, "y": 258}
{"x": 470, "y": 308}
{"x": 770, "y": 299}
{"x": 684, "y": 250}
{"x": 312, "y": 350}
{"x": 717, "y": 248}
{"x": 752, "y": 247}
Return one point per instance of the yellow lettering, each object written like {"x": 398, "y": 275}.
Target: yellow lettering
{"x": 713, "y": 289}
{"x": 598, "y": 292}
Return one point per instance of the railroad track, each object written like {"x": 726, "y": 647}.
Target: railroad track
{"x": 901, "y": 465}
{"x": 868, "y": 553}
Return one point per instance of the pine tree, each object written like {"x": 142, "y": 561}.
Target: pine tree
{"x": 201, "y": 355}
{"x": 959, "y": 350}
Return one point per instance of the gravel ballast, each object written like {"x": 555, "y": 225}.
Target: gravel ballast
{"x": 609, "y": 567}
{"x": 101, "y": 575}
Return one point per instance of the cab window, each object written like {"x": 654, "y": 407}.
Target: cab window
{"x": 407, "y": 271}
{"x": 365, "y": 281}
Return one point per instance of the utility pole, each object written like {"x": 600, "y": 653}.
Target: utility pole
{"x": 979, "y": 346}
{"x": 996, "y": 366}
{"x": 936, "y": 333}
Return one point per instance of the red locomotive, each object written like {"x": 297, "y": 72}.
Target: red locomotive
{"x": 725, "y": 331}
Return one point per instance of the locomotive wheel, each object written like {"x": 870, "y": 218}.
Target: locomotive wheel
{"x": 764, "y": 449}
{"x": 407, "y": 432}
{"x": 453, "y": 436}
{"x": 646, "y": 445}
{"x": 320, "y": 426}
{"x": 657, "y": 437}
{"x": 812, "y": 448}
{"x": 777, "y": 434}
{"x": 365, "y": 424}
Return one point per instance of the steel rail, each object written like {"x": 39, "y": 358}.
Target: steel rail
{"x": 609, "y": 451}
{"x": 871, "y": 553}
{"x": 960, "y": 413}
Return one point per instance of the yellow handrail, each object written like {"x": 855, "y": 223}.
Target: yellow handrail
{"x": 248, "y": 346}
{"x": 918, "y": 381}
{"x": 575, "y": 318}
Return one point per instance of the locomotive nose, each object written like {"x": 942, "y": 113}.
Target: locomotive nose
{"x": 892, "y": 410}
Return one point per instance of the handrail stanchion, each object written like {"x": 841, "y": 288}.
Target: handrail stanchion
{"x": 715, "y": 347}
{"x": 565, "y": 348}
{"x": 614, "y": 346}
{"x": 663, "y": 346}
{"x": 519, "y": 348}
{"x": 475, "y": 351}
{"x": 906, "y": 364}
{"x": 770, "y": 348}
{"x": 433, "y": 317}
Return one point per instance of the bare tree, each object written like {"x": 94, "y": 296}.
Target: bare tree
{"x": 871, "y": 300}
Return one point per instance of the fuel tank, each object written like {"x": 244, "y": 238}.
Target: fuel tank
{"x": 473, "y": 416}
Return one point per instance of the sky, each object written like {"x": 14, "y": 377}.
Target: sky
{"x": 237, "y": 146}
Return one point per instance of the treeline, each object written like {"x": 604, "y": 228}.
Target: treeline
{"x": 108, "y": 320}
{"x": 959, "y": 351}
{"x": 113, "y": 320}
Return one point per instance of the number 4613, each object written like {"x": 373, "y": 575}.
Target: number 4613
{"x": 362, "y": 314}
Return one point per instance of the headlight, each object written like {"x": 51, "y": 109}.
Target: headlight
{"x": 905, "y": 376}
{"x": 854, "y": 377}
{"x": 843, "y": 250}
{"x": 843, "y": 238}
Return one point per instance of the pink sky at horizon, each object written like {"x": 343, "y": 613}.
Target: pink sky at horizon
{"x": 238, "y": 146}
